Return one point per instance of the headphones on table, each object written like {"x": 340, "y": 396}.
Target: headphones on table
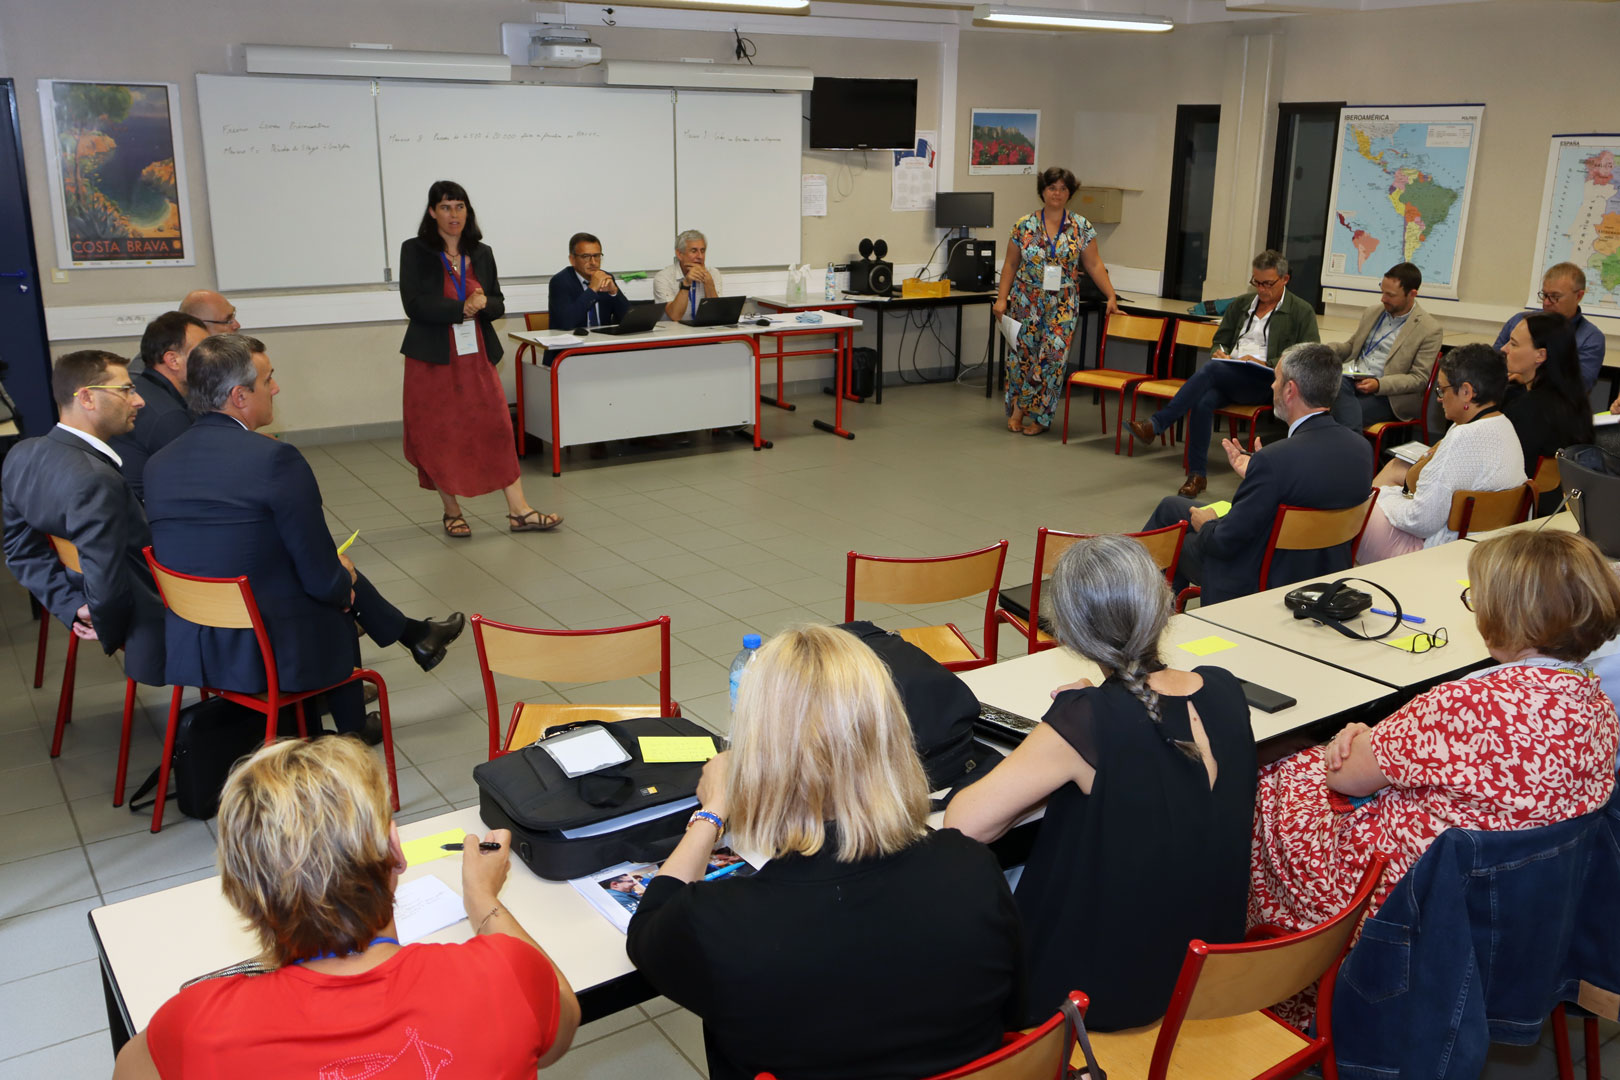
{"x": 1333, "y": 603}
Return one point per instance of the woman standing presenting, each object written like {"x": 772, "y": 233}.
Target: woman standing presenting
{"x": 457, "y": 432}
{"x": 1042, "y": 273}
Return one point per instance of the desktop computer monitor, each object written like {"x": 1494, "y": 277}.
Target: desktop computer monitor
{"x": 964, "y": 209}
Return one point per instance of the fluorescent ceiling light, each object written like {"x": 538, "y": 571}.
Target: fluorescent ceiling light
{"x": 772, "y": 7}
{"x": 1060, "y": 19}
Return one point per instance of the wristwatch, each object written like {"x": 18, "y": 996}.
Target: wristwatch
{"x": 706, "y": 815}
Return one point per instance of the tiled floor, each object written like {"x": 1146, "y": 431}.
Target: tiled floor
{"x": 722, "y": 539}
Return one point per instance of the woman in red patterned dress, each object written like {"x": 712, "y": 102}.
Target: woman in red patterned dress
{"x": 457, "y": 430}
{"x": 1528, "y": 742}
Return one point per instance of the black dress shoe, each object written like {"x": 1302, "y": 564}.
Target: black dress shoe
{"x": 430, "y": 650}
{"x": 372, "y": 733}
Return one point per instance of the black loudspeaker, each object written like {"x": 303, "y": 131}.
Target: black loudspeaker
{"x": 971, "y": 265}
{"x": 869, "y": 276}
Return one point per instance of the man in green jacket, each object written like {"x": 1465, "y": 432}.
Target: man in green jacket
{"x": 1256, "y": 330}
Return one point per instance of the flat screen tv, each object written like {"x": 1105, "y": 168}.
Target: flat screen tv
{"x": 964, "y": 209}
{"x": 863, "y": 114}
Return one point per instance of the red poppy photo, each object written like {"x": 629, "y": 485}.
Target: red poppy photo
{"x": 1004, "y": 142}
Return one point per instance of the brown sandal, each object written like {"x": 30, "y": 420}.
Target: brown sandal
{"x": 1032, "y": 428}
{"x": 456, "y": 527}
{"x": 541, "y": 522}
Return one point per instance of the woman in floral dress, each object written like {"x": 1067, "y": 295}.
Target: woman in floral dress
{"x": 1528, "y": 742}
{"x": 1046, "y": 301}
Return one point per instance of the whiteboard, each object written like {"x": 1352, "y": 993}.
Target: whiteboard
{"x": 294, "y": 198}
{"x": 737, "y": 166}
{"x": 539, "y": 163}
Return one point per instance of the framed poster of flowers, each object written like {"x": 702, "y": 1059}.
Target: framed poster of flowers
{"x": 118, "y": 174}
{"x": 1005, "y": 142}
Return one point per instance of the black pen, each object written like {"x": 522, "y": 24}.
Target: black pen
{"x": 483, "y": 845}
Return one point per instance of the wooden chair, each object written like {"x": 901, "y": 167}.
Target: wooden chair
{"x": 576, "y": 656}
{"x": 1594, "y": 1045}
{"x": 1036, "y": 1054}
{"x": 227, "y": 603}
{"x": 1303, "y": 528}
{"x": 70, "y": 669}
{"x": 1050, "y": 544}
{"x": 1189, "y": 332}
{"x": 1547, "y": 478}
{"x": 1376, "y": 432}
{"x": 885, "y": 580}
{"x": 1482, "y": 511}
{"x": 1248, "y": 414}
{"x": 1102, "y": 379}
{"x": 1219, "y": 1018}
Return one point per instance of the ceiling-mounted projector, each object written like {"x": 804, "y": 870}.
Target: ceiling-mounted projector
{"x": 564, "y": 48}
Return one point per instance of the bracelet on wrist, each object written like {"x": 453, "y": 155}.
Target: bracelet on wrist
{"x": 709, "y": 816}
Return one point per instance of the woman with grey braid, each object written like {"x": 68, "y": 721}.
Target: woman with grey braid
{"x": 1148, "y": 779}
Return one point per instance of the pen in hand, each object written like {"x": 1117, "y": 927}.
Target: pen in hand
{"x": 724, "y": 870}
{"x": 483, "y": 845}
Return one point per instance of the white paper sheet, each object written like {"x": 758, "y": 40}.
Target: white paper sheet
{"x": 1010, "y": 329}
{"x": 424, "y": 906}
{"x": 812, "y": 195}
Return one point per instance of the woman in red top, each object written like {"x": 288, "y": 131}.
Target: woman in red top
{"x": 309, "y": 858}
{"x": 457, "y": 430}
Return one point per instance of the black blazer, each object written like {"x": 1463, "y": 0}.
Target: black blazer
{"x": 58, "y": 484}
{"x": 225, "y": 501}
{"x": 158, "y": 423}
{"x": 900, "y": 966}
{"x": 568, "y": 301}
{"x": 421, "y": 290}
{"x": 1322, "y": 465}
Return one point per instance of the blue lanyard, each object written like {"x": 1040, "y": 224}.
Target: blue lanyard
{"x": 1051, "y": 242}
{"x": 461, "y": 282}
{"x": 1370, "y": 344}
{"x": 375, "y": 940}
{"x": 691, "y": 300}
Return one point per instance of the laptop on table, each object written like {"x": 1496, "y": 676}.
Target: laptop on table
{"x": 717, "y": 311}
{"x": 639, "y": 318}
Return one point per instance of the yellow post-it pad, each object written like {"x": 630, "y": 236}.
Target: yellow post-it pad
{"x": 1407, "y": 643}
{"x": 1204, "y": 646}
{"x": 427, "y": 848}
{"x": 1220, "y": 508}
{"x": 666, "y": 749}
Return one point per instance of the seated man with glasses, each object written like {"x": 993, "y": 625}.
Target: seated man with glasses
{"x": 584, "y": 294}
{"x": 1254, "y": 333}
{"x": 212, "y": 310}
{"x": 66, "y": 483}
{"x": 1562, "y": 287}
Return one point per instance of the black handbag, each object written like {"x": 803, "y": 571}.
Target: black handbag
{"x": 1590, "y": 477}
{"x": 527, "y": 792}
{"x": 1334, "y": 603}
{"x": 210, "y": 737}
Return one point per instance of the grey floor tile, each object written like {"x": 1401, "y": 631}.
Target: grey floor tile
{"x": 25, "y": 834}
{"x": 609, "y": 1025}
{"x": 76, "y": 1059}
{"x": 141, "y": 857}
{"x": 46, "y": 940}
{"x": 28, "y": 788}
{"x": 98, "y": 819}
{"x": 44, "y": 881}
{"x": 639, "y": 1051}
{"x": 452, "y": 776}
{"x": 685, "y": 1030}
{"x": 433, "y": 740}
{"x": 51, "y": 1007}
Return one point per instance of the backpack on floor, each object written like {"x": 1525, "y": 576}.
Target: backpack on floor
{"x": 211, "y": 736}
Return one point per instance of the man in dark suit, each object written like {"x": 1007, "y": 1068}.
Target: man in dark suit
{"x": 225, "y": 501}
{"x": 66, "y": 484}
{"x": 167, "y": 343}
{"x": 1321, "y": 464}
{"x": 584, "y": 294}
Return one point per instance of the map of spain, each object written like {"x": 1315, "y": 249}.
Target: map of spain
{"x": 1580, "y": 217}
{"x": 1399, "y": 195}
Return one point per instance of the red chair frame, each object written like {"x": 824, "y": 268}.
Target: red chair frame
{"x": 273, "y": 698}
{"x": 1376, "y": 432}
{"x": 1140, "y": 389}
{"x": 992, "y": 622}
{"x": 1271, "y": 546}
{"x": 1122, "y": 380}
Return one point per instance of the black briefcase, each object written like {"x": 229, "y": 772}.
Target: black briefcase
{"x": 210, "y": 737}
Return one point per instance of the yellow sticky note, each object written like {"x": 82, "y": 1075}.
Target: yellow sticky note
{"x": 664, "y": 749}
{"x": 1405, "y": 644}
{"x": 1220, "y": 508}
{"x": 1204, "y": 646}
{"x": 427, "y": 848}
{"x": 345, "y": 545}
{"x": 1463, "y": 582}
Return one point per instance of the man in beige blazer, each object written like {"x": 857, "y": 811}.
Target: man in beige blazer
{"x": 1387, "y": 360}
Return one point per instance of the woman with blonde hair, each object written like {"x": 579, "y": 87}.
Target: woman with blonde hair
{"x": 867, "y": 946}
{"x": 1148, "y": 781}
{"x": 309, "y": 858}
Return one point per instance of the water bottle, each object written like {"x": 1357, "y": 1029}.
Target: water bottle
{"x": 740, "y": 664}
{"x": 832, "y": 283}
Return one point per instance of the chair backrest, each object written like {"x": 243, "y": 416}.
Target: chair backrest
{"x": 67, "y": 553}
{"x": 1428, "y": 395}
{"x": 1231, "y": 980}
{"x": 1050, "y": 544}
{"x": 1196, "y": 333}
{"x": 1481, "y": 511}
{"x": 221, "y": 603}
{"x": 1547, "y": 477}
{"x": 888, "y": 580}
{"x": 570, "y": 656}
{"x": 1149, "y": 331}
{"x": 537, "y": 320}
{"x": 1304, "y": 528}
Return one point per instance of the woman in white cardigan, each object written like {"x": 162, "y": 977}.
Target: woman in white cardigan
{"x": 1480, "y": 452}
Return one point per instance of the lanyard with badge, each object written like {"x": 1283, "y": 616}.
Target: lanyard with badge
{"x": 1371, "y": 344}
{"x": 464, "y": 334}
{"x": 1052, "y": 274}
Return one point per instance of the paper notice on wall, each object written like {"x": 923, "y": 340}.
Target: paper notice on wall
{"x": 813, "y": 195}
{"x": 916, "y": 173}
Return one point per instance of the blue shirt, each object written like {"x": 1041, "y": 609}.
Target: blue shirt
{"x": 1589, "y": 344}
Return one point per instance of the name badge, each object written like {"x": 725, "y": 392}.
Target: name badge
{"x": 466, "y": 337}
{"x": 1052, "y": 278}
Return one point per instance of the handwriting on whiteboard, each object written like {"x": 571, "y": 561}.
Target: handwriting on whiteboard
{"x": 490, "y": 136}
{"x": 727, "y": 136}
{"x": 300, "y": 137}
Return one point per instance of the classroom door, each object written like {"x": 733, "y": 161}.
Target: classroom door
{"x": 1192, "y": 198}
{"x": 25, "y": 358}
{"x": 1301, "y": 179}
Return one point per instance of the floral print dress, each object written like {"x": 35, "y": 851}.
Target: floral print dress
{"x": 1035, "y": 370}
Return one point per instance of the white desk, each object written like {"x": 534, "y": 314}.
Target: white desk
{"x": 1428, "y": 583}
{"x": 1563, "y": 521}
{"x": 1024, "y": 685}
{"x": 672, "y": 378}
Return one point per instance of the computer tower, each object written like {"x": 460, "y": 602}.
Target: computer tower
{"x": 971, "y": 264}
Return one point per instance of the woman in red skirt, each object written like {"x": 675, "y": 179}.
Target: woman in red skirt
{"x": 457, "y": 431}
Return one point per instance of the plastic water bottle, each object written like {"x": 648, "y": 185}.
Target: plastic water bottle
{"x": 832, "y": 284}
{"x": 740, "y": 664}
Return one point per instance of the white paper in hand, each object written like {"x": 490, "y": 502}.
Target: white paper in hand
{"x": 1010, "y": 329}
{"x": 424, "y": 906}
